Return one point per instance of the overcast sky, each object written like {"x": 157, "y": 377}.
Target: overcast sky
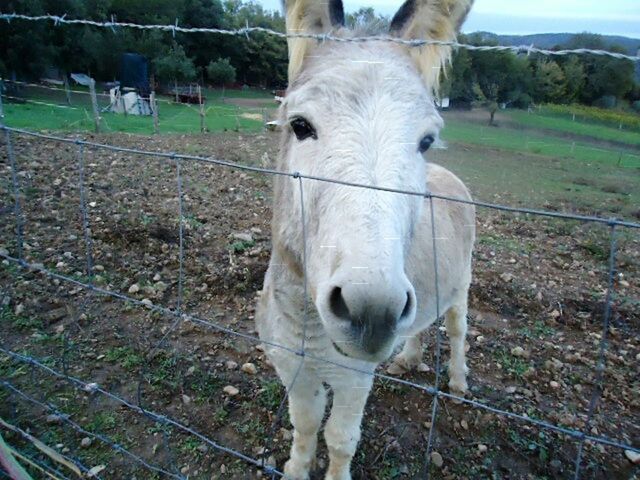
{"x": 613, "y": 17}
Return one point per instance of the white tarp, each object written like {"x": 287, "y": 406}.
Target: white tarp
{"x": 130, "y": 102}
{"x": 81, "y": 79}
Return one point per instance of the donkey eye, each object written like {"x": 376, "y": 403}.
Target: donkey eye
{"x": 303, "y": 129}
{"x": 426, "y": 143}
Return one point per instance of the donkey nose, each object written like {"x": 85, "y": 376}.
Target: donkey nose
{"x": 375, "y": 310}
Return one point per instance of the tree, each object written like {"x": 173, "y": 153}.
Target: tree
{"x": 604, "y": 76}
{"x": 221, "y": 72}
{"x": 549, "y": 82}
{"x": 175, "y": 66}
{"x": 460, "y": 77}
{"x": 575, "y": 78}
{"x": 366, "y": 21}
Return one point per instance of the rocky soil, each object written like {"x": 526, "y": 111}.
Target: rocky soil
{"x": 536, "y": 327}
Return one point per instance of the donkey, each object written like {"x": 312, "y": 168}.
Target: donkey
{"x": 361, "y": 113}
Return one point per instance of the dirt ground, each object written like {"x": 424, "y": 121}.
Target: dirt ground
{"x": 535, "y": 328}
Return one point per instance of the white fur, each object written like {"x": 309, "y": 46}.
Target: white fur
{"x": 370, "y": 108}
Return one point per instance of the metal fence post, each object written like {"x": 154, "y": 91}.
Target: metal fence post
{"x": 94, "y": 104}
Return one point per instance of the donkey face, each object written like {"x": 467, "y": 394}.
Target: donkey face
{"x": 359, "y": 113}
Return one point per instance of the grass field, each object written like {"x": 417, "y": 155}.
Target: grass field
{"x": 535, "y": 141}
{"x": 48, "y": 110}
{"x": 541, "y": 168}
{"x": 567, "y": 125}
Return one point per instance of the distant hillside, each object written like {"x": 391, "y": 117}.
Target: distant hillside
{"x": 550, "y": 40}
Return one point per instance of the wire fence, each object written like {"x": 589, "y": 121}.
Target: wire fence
{"x": 245, "y": 32}
{"x": 72, "y": 109}
{"x": 179, "y": 315}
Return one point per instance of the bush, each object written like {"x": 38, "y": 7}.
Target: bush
{"x": 608, "y": 101}
{"x": 594, "y": 114}
{"x": 175, "y": 65}
{"x": 221, "y": 72}
{"x": 636, "y": 106}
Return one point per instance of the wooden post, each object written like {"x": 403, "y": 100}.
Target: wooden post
{"x": 203, "y": 127}
{"x": 94, "y": 104}
{"x": 153, "y": 103}
{"x": 620, "y": 159}
{"x": 67, "y": 90}
{"x": 573, "y": 148}
{"x": 237, "y": 119}
{"x": 264, "y": 119}
{"x": 1, "y": 106}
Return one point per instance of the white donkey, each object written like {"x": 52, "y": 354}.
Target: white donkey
{"x": 361, "y": 113}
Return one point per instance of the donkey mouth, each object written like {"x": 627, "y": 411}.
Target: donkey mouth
{"x": 339, "y": 350}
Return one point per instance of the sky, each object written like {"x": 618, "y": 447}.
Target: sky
{"x": 610, "y": 17}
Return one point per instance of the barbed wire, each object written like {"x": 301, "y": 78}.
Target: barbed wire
{"x": 180, "y": 315}
{"x": 246, "y": 31}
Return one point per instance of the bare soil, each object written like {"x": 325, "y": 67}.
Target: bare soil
{"x": 539, "y": 284}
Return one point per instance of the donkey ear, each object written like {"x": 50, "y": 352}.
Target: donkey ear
{"x": 309, "y": 16}
{"x": 434, "y": 20}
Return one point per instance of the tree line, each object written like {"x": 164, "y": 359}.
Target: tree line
{"x": 522, "y": 80}
{"x": 29, "y": 50}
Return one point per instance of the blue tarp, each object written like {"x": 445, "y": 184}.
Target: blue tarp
{"x": 134, "y": 73}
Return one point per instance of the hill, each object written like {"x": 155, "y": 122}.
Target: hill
{"x": 550, "y": 40}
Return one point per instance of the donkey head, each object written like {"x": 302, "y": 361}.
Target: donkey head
{"x": 360, "y": 113}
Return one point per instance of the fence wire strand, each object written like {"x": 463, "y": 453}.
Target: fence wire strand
{"x": 245, "y": 32}
{"x": 179, "y": 315}
{"x": 601, "y": 366}
{"x": 438, "y": 339}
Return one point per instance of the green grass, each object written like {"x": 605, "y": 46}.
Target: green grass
{"x": 240, "y": 246}
{"x": 48, "y": 110}
{"x": 125, "y": 356}
{"x": 504, "y": 165}
{"x": 514, "y": 366}
{"x": 172, "y": 119}
{"x": 536, "y": 143}
{"x": 254, "y": 93}
{"x": 567, "y": 125}
{"x": 20, "y": 322}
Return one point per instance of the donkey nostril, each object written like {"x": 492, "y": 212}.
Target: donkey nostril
{"x": 337, "y": 304}
{"x": 407, "y": 307}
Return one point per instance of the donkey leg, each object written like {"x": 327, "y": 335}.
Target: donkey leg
{"x": 342, "y": 431}
{"x": 456, "y": 324}
{"x": 307, "y": 401}
{"x": 409, "y": 358}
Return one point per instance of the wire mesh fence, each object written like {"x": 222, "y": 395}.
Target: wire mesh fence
{"x": 87, "y": 278}
{"x": 60, "y": 369}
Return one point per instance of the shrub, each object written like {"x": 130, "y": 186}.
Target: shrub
{"x": 221, "y": 72}
{"x": 610, "y": 117}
